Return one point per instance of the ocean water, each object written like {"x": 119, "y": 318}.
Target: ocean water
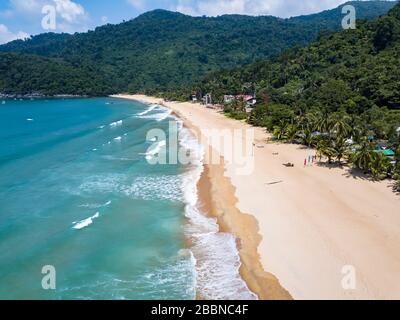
{"x": 78, "y": 192}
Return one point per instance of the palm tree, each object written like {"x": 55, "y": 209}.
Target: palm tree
{"x": 301, "y": 121}
{"x": 358, "y": 130}
{"x": 291, "y": 132}
{"x": 307, "y": 137}
{"x": 325, "y": 149}
{"x": 339, "y": 124}
{"x": 379, "y": 166}
{"x": 358, "y": 133}
{"x": 340, "y": 148}
{"x": 363, "y": 156}
{"x": 322, "y": 123}
{"x": 280, "y": 130}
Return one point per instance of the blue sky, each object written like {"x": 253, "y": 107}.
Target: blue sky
{"x": 21, "y": 18}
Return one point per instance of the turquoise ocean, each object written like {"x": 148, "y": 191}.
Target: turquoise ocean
{"x": 79, "y": 192}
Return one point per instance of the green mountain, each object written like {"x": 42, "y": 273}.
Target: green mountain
{"x": 340, "y": 95}
{"x": 360, "y": 64}
{"x": 352, "y": 75}
{"x": 158, "y": 51}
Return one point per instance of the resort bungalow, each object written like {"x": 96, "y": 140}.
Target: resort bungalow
{"x": 250, "y": 100}
{"x": 228, "y": 98}
{"x": 385, "y": 151}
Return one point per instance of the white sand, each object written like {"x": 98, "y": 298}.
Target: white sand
{"x": 316, "y": 220}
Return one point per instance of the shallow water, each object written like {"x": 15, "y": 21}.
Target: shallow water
{"x": 77, "y": 192}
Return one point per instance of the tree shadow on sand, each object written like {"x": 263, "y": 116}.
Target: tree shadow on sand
{"x": 359, "y": 174}
{"x": 393, "y": 186}
{"x": 349, "y": 172}
{"x": 332, "y": 165}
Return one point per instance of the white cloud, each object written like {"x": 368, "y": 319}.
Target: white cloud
{"x": 281, "y": 8}
{"x": 70, "y": 11}
{"x": 26, "y": 5}
{"x": 70, "y": 15}
{"x": 138, "y": 4}
{"x": 7, "y": 36}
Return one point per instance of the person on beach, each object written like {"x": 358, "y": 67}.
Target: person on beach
{"x": 305, "y": 162}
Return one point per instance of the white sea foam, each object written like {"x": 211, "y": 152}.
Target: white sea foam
{"x": 175, "y": 278}
{"x": 116, "y": 123}
{"x": 115, "y": 158}
{"x": 217, "y": 257}
{"x": 154, "y": 188}
{"x": 162, "y": 114}
{"x": 85, "y": 222}
{"x": 171, "y": 278}
{"x": 146, "y": 187}
{"x": 118, "y": 138}
{"x": 149, "y": 109}
{"x": 30, "y": 119}
{"x": 95, "y": 205}
{"x": 156, "y": 149}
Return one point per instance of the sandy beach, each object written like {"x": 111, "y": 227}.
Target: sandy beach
{"x": 304, "y": 230}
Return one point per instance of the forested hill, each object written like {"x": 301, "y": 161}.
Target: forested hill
{"x": 365, "y": 10}
{"x": 340, "y": 95}
{"x": 352, "y": 70}
{"x": 157, "y": 51}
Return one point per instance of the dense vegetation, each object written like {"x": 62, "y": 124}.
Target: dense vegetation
{"x": 47, "y": 76}
{"x": 341, "y": 94}
{"x": 157, "y": 52}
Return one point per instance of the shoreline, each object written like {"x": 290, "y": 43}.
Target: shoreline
{"x": 313, "y": 221}
{"x": 221, "y": 205}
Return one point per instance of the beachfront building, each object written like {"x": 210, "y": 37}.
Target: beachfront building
{"x": 390, "y": 154}
{"x": 207, "y": 100}
{"x": 229, "y": 98}
{"x": 387, "y": 152}
{"x": 248, "y": 99}
{"x": 251, "y": 101}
